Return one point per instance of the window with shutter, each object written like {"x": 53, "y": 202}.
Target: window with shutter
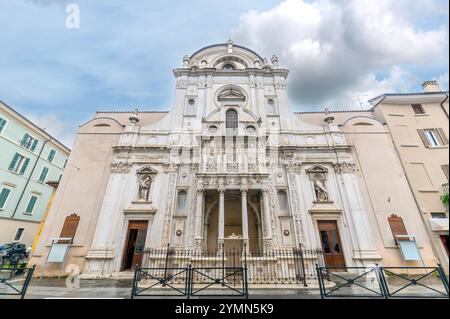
{"x": 29, "y": 142}
{"x": 51, "y": 155}
{"x": 31, "y": 204}
{"x": 24, "y": 140}
{"x": 43, "y": 175}
{"x": 2, "y": 124}
{"x": 17, "y": 163}
{"x": 24, "y": 166}
{"x": 35, "y": 143}
{"x": 4, "y": 195}
{"x": 14, "y": 162}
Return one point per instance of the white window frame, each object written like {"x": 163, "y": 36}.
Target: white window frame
{"x": 28, "y": 203}
{"x": 432, "y": 138}
{"x": 21, "y": 235}
{"x": 7, "y": 198}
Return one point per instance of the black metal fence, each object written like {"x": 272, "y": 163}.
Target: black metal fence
{"x": 183, "y": 272}
{"x": 190, "y": 281}
{"x": 14, "y": 280}
{"x": 382, "y": 282}
{"x": 275, "y": 267}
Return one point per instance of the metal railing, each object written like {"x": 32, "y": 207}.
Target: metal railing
{"x": 295, "y": 266}
{"x": 190, "y": 281}
{"x": 14, "y": 280}
{"x": 382, "y": 282}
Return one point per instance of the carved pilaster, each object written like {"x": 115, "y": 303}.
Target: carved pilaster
{"x": 292, "y": 170}
{"x": 169, "y": 208}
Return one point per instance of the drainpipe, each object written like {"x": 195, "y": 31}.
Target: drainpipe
{"x": 442, "y": 104}
{"x": 29, "y": 178}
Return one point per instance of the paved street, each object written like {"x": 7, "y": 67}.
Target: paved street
{"x": 109, "y": 288}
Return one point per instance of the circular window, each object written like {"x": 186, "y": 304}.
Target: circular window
{"x": 212, "y": 129}
{"x": 271, "y": 102}
{"x": 191, "y": 101}
{"x": 251, "y": 129}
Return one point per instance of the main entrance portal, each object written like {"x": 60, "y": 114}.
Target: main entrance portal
{"x": 233, "y": 230}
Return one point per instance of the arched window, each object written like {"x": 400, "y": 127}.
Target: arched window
{"x": 231, "y": 119}
{"x": 228, "y": 66}
{"x": 181, "y": 200}
{"x": 283, "y": 202}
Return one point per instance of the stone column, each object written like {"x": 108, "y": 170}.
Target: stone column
{"x": 199, "y": 217}
{"x": 221, "y": 236}
{"x": 245, "y": 217}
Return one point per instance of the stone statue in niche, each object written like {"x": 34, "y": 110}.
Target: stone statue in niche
{"x": 145, "y": 178}
{"x": 321, "y": 191}
{"x": 145, "y": 183}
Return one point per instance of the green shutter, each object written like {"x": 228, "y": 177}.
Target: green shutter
{"x": 24, "y": 167}
{"x": 35, "y": 143}
{"x": 4, "y": 196}
{"x": 31, "y": 205}
{"x": 43, "y": 175}
{"x": 24, "y": 140}
{"x": 14, "y": 162}
{"x": 2, "y": 124}
{"x": 51, "y": 156}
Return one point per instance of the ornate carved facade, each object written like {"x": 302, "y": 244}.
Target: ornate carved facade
{"x": 228, "y": 167}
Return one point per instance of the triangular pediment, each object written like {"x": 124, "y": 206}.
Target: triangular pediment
{"x": 317, "y": 169}
{"x": 147, "y": 170}
{"x": 231, "y": 95}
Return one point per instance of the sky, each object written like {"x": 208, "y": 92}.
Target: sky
{"x": 339, "y": 52}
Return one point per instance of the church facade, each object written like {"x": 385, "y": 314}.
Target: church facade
{"x": 231, "y": 166}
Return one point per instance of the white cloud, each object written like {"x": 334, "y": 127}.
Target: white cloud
{"x": 53, "y": 125}
{"x": 336, "y": 49}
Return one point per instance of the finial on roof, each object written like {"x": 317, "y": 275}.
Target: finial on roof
{"x": 275, "y": 61}
{"x": 186, "y": 61}
{"x": 230, "y": 44}
{"x": 134, "y": 119}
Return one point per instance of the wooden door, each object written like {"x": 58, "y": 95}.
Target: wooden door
{"x": 331, "y": 244}
{"x": 134, "y": 244}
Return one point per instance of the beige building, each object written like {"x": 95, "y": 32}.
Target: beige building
{"x": 401, "y": 150}
{"x": 231, "y": 166}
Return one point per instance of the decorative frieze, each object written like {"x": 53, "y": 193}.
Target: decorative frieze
{"x": 345, "y": 168}
{"x": 121, "y": 168}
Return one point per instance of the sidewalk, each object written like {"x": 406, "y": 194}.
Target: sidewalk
{"x": 110, "y": 288}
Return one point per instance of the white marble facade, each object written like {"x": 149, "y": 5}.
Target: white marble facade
{"x": 231, "y": 164}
